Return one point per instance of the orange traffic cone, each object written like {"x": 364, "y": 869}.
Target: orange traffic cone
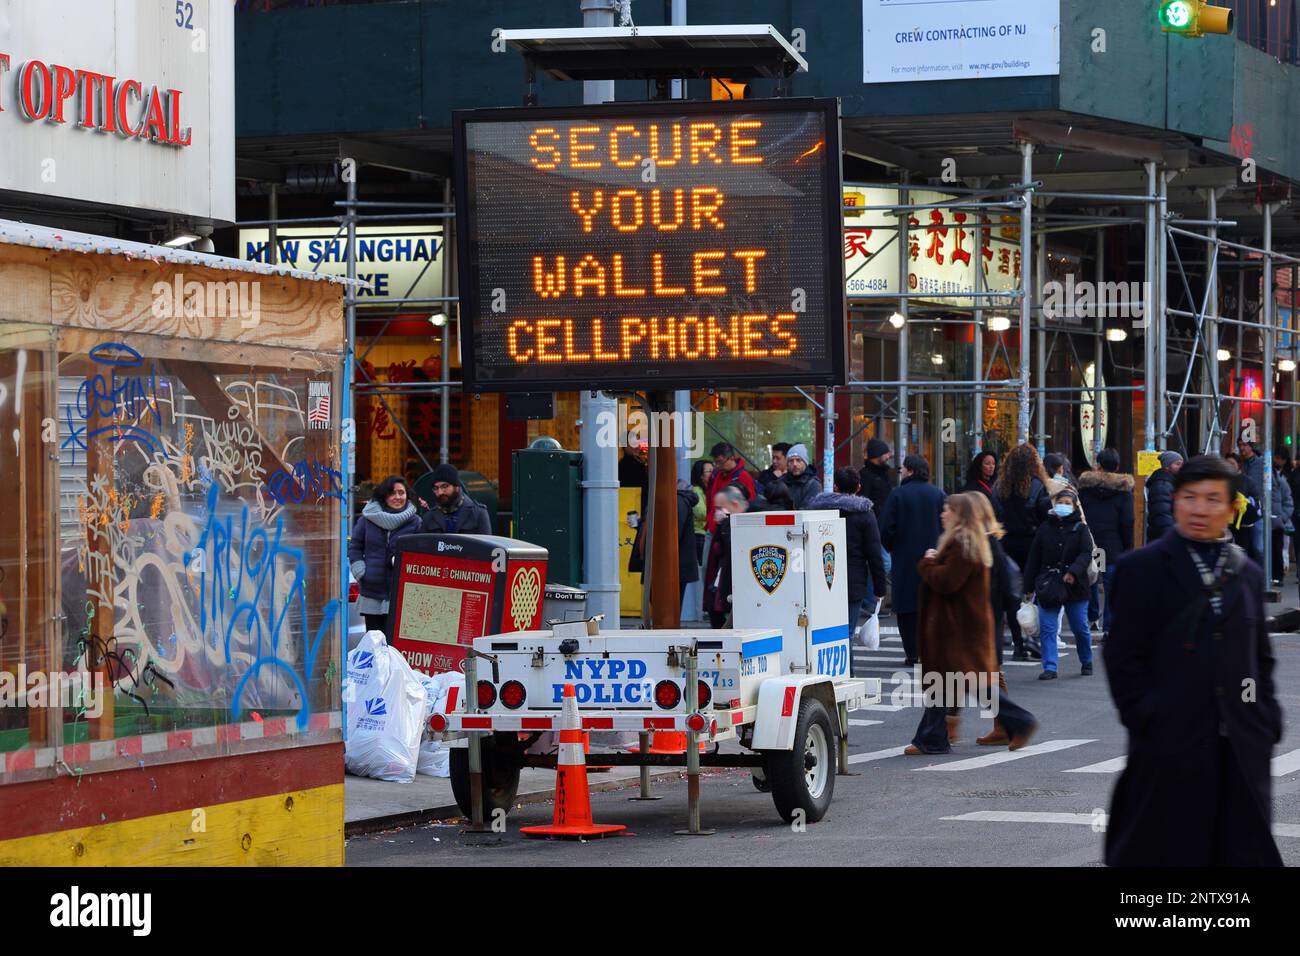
{"x": 572, "y": 799}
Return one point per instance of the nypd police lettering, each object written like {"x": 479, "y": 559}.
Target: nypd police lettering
{"x": 605, "y": 681}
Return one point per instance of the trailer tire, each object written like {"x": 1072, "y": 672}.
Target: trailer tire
{"x": 500, "y": 778}
{"x": 803, "y": 778}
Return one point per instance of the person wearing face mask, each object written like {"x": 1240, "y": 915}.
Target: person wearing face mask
{"x": 1057, "y": 570}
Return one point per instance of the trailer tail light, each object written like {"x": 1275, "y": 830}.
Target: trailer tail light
{"x": 513, "y": 694}
{"x": 695, "y": 722}
{"x": 354, "y": 592}
{"x": 438, "y": 723}
{"x": 487, "y": 694}
{"x": 667, "y": 694}
{"x": 706, "y": 693}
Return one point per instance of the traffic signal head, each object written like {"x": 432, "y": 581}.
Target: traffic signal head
{"x": 1193, "y": 18}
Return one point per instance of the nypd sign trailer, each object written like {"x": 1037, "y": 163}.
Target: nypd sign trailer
{"x": 781, "y": 691}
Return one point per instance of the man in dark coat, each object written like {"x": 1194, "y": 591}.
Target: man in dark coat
{"x": 1160, "y": 496}
{"x": 799, "y": 478}
{"x": 688, "y": 568}
{"x": 1107, "y": 499}
{"x": 877, "y": 477}
{"x": 775, "y": 470}
{"x": 453, "y": 511}
{"x": 909, "y": 527}
{"x": 1191, "y": 672}
{"x": 861, "y": 537}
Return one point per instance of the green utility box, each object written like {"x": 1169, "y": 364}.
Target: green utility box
{"x": 547, "y": 498}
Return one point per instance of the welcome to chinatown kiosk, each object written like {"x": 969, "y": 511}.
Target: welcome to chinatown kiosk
{"x": 170, "y": 613}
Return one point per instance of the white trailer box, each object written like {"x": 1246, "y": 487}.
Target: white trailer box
{"x": 789, "y": 571}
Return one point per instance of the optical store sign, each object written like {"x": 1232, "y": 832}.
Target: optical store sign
{"x": 680, "y": 245}
{"x": 944, "y": 248}
{"x": 129, "y": 105}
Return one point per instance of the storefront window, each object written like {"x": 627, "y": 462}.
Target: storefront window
{"x": 173, "y": 540}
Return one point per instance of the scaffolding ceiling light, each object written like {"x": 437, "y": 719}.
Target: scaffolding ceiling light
{"x": 651, "y": 53}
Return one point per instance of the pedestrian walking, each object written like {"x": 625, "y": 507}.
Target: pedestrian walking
{"x": 1246, "y": 508}
{"x": 1107, "y": 496}
{"x": 717, "y": 577}
{"x": 1022, "y": 489}
{"x": 701, "y": 476}
{"x": 877, "y": 482}
{"x": 775, "y": 470}
{"x": 728, "y": 467}
{"x": 981, "y": 476}
{"x": 908, "y": 528}
{"x": 688, "y": 565}
{"x": 1190, "y": 670}
{"x": 1057, "y": 570}
{"x": 454, "y": 511}
{"x": 1004, "y": 577}
{"x": 389, "y": 514}
{"x": 866, "y": 568}
{"x": 955, "y": 635}
{"x": 1283, "y": 505}
{"x": 803, "y": 485}
{"x": 1160, "y": 495}
{"x": 1252, "y": 466}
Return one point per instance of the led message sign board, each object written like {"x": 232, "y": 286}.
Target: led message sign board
{"x": 653, "y": 245}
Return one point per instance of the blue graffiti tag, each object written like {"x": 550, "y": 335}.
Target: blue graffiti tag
{"x": 237, "y": 582}
{"x": 307, "y": 481}
{"x": 122, "y": 398}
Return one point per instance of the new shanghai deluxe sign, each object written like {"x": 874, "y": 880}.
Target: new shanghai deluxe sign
{"x": 668, "y": 244}
{"x": 128, "y": 105}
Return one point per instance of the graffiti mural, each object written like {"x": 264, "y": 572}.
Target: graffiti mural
{"x": 199, "y": 512}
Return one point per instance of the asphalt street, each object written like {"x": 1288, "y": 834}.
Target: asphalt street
{"x": 978, "y": 806}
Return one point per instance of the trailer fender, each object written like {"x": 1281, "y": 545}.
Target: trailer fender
{"x": 778, "y": 709}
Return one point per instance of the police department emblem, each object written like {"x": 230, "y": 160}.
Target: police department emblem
{"x": 768, "y": 562}
{"x": 828, "y": 562}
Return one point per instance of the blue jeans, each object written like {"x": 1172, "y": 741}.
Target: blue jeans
{"x": 872, "y": 596}
{"x": 1077, "y": 614}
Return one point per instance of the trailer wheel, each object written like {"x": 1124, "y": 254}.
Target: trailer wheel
{"x": 501, "y": 767}
{"x": 803, "y": 778}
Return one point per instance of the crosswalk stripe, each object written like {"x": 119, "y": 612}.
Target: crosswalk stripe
{"x": 1075, "y": 819}
{"x": 881, "y": 708}
{"x": 876, "y": 755}
{"x": 1024, "y": 816}
{"x": 864, "y": 723}
{"x": 1114, "y": 765}
{"x": 1002, "y": 756}
{"x": 1286, "y": 763}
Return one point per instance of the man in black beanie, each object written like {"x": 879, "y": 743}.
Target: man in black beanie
{"x": 453, "y": 511}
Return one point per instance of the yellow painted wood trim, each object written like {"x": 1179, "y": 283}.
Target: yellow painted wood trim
{"x": 298, "y": 828}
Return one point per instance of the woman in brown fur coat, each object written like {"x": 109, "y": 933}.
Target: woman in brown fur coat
{"x": 955, "y": 636}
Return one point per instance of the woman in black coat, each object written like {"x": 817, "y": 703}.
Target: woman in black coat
{"x": 1062, "y": 552}
{"x": 1022, "y": 487}
{"x": 981, "y": 476}
{"x": 1194, "y": 687}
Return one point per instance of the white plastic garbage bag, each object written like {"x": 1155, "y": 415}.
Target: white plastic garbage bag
{"x": 435, "y": 759}
{"x": 1027, "y": 616}
{"x": 868, "y": 632}
{"x": 387, "y": 708}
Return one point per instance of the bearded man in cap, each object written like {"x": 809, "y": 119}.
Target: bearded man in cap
{"x": 453, "y": 511}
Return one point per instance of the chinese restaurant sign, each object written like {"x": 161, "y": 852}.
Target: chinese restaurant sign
{"x": 659, "y": 245}
{"x": 941, "y": 249}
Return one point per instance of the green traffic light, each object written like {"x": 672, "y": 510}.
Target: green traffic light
{"x": 1176, "y": 15}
